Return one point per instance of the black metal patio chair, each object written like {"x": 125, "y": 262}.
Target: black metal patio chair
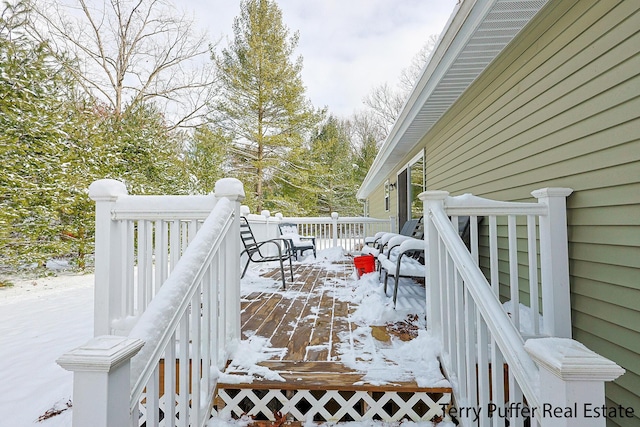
{"x": 254, "y": 253}
{"x": 298, "y": 243}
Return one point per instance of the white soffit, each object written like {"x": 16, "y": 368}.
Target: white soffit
{"x": 477, "y": 32}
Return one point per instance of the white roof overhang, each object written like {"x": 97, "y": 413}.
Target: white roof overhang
{"x": 475, "y": 34}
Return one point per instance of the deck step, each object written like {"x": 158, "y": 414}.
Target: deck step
{"x": 328, "y": 391}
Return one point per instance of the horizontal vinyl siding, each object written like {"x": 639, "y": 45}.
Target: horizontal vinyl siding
{"x": 560, "y": 107}
{"x": 376, "y": 204}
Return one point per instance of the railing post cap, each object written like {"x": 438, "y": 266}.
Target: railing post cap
{"x": 570, "y": 360}
{"x": 279, "y": 216}
{"x": 107, "y": 190}
{"x": 265, "y": 213}
{"x": 230, "y": 188}
{"x": 552, "y": 192}
{"x": 433, "y": 195}
{"x": 100, "y": 354}
{"x": 334, "y": 215}
{"x": 244, "y": 210}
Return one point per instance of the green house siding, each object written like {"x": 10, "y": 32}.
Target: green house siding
{"x": 560, "y": 107}
{"x": 376, "y": 204}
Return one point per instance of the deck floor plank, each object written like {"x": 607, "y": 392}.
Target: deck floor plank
{"x": 308, "y": 326}
{"x": 288, "y": 326}
{"x": 310, "y": 322}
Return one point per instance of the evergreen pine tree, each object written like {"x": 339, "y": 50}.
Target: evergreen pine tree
{"x": 333, "y": 175}
{"x": 262, "y": 103}
{"x": 206, "y": 157}
{"x": 32, "y": 143}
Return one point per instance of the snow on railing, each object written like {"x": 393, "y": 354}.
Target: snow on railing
{"x": 330, "y": 232}
{"x": 167, "y": 307}
{"x": 496, "y": 378}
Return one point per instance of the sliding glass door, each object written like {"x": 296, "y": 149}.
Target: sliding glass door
{"x": 411, "y": 182}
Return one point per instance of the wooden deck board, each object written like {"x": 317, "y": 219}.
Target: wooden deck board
{"x": 310, "y": 324}
{"x": 306, "y": 326}
{"x": 327, "y": 376}
{"x": 309, "y": 327}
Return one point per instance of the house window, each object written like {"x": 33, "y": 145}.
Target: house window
{"x": 387, "y": 191}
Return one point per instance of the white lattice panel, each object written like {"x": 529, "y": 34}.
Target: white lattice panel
{"x": 163, "y": 421}
{"x": 331, "y": 405}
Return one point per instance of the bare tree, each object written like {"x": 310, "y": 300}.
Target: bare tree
{"x": 130, "y": 52}
{"x": 410, "y": 75}
{"x": 386, "y": 102}
{"x": 363, "y": 127}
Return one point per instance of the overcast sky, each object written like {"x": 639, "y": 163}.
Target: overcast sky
{"x": 348, "y": 46}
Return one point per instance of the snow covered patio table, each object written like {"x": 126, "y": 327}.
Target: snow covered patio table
{"x": 332, "y": 348}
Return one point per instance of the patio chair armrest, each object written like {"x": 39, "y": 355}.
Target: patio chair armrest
{"x": 398, "y": 240}
{"x": 374, "y": 239}
{"x": 275, "y": 242}
{"x": 384, "y": 239}
{"x": 411, "y": 244}
{"x": 393, "y": 243}
{"x": 409, "y": 248}
{"x": 287, "y": 242}
{"x": 409, "y": 266}
{"x": 293, "y": 238}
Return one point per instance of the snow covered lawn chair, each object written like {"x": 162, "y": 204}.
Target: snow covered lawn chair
{"x": 405, "y": 259}
{"x": 297, "y": 243}
{"x": 254, "y": 253}
{"x": 404, "y": 256}
{"x": 375, "y": 244}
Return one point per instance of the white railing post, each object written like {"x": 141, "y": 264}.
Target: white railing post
{"x": 572, "y": 381}
{"x": 432, "y": 200}
{"x": 554, "y": 262}
{"x": 268, "y": 233}
{"x": 334, "y": 219}
{"x": 233, "y": 190}
{"x": 108, "y": 294}
{"x": 101, "y": 383}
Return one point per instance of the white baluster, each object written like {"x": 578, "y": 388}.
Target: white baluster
{"x": 533, "y": 273}
{"x": 514, "y": 285}
{"x": 334, "y": 220}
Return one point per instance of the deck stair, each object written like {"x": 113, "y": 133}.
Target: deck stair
{"x": 316, "y": 385}
{"x": 325, "y": 391}
{"x": 325, "y": 337}
{"x": 328, "y": 391}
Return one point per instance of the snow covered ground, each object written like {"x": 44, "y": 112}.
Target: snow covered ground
{"x": 40, "y": 319}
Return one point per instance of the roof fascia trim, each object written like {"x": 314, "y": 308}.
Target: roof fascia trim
{"x": 458, "y": 31}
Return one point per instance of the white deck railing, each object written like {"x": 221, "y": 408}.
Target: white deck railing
{"x": 497, "y": 379}
{"x": 346, "y": 232}
{"x": 330, "y": 232}
{"x": 167, "y": 307}
{"x": 167, "y": 301}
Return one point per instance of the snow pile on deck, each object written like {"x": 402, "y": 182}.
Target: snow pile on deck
{"x": 394, "y": 360}
{"x": 380, "y": 362}
{"x": 249, "y": 354}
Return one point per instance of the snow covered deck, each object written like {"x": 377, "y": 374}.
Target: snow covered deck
{"x": 332, "y": 348}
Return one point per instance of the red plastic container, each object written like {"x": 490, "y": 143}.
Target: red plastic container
{"x": 364, "y": 264}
